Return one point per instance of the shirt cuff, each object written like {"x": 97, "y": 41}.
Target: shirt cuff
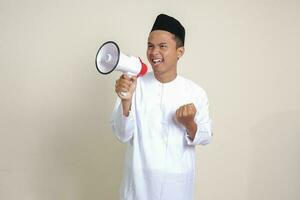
{"x": 202, "y": 136}
{"x": 126, "y": 119}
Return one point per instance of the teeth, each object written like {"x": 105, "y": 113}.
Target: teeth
{"x": 157, "y": 60}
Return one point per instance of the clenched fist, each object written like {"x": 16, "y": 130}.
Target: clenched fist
{"x": 185, "y": 115}
{"x": 125, "y": 86}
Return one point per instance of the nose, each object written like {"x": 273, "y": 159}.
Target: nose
{"x": 154, "y": 51}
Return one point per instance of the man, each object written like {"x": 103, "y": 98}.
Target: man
{"x": 161, "y": 117}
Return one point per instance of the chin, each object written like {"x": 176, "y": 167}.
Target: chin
{"x": 157, "y": 69}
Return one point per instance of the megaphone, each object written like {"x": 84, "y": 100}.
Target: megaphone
{"x": 109, "y": 58}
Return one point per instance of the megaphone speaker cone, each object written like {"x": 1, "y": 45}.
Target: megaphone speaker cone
{"x": 107, "y": 57}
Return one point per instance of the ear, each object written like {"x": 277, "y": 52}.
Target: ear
{"x": 180, "y": 52}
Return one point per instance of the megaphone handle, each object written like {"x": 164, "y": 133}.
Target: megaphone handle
{"x": 124, "y": 94}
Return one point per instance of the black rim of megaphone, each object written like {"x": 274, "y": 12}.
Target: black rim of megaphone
{"x": 117, "y": 59}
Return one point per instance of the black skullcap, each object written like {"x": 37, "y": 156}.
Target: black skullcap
{"x": 170, "y": 24}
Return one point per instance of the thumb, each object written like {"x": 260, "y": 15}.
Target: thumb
{"x": 133, "y": 79}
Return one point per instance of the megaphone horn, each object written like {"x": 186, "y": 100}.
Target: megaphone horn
{"x": 109, "y": 58}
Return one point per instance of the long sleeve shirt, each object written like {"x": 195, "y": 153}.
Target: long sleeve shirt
{"x": 160, "y": 157}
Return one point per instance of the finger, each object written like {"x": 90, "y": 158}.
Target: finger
{"x": 190, "y": 108}
{"x": 125, "y": 76}
{"x": 123, "y": 83}
{"x": 187, "y": 105}
{"x": 178, "y": 112}
{"x": 133, "y": 79}
{"x": 185, "y": 111}
{"x": 121, "y": 89}
{"x": 193, "y": 108}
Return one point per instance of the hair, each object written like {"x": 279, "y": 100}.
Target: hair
{"x": 179, "y": 42}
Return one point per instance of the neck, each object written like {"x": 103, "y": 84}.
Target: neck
{"x": 165, "y": 78}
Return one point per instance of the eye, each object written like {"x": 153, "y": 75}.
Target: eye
{"x": 150, "y": 46}
{"x": 163, "y": 46}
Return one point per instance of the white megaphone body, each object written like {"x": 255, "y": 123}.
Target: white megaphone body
{"x": 109, "y": 58}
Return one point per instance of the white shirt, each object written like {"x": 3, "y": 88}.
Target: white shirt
{"x": 160, "y": 157}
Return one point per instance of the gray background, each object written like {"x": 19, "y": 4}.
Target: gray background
{"x": 55, "y": 137}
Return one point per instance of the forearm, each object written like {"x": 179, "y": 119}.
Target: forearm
{"x": 191, "y": 130}
{"x": 126, "y": 105}
{"x": 202, "y": 136}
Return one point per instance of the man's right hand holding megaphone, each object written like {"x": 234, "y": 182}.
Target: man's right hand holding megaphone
{"x": 125, "y": 87}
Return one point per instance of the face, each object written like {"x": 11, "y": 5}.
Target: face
{"x": 163, "y": 54}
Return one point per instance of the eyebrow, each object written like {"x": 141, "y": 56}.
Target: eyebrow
{"x": 149, "y": 43}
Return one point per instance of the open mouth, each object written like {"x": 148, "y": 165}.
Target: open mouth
{"x": 157, "y": 61}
